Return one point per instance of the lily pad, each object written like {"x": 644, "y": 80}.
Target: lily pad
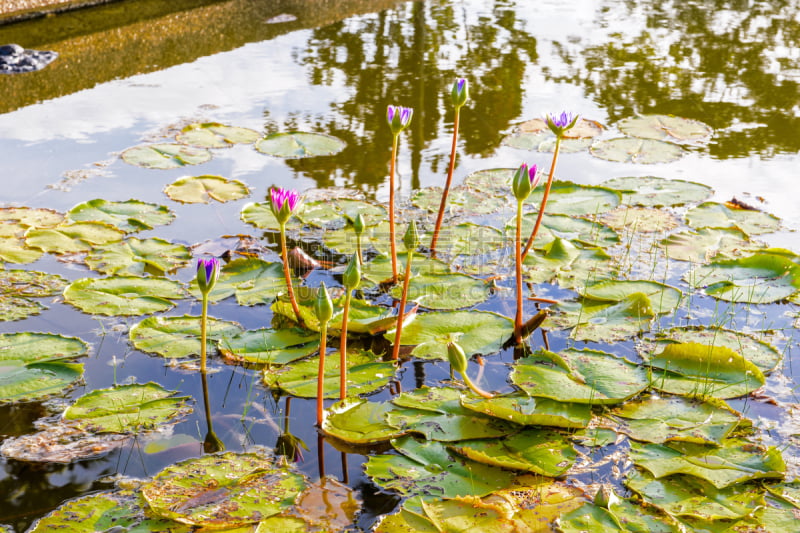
{"x": 203, "y": 189}
{"x": 468, "y": 239}
{"x": 567, "y": 198}
{"x": 216, "y": 135}
{"x": 129, "y": 216}
{"x": 126, "y": 296}
{"x": 695, "y": 369}
{"x": 477, "y": 332}
{"x": 572, "y": 228}
{"x": 298, "y": 144}
{"x": 650, "y": 191}
{"x": 641, "y": 220}
{"x": 531, "y": 411}
{"x": 665, "y": 128}
{"x": 491, "y": 182}
{"x": 428, "y": 470}
{"x": 72, "y": 238}
{"x": 17, "y": 308}
{"x": 635, "y": 150}
{"x": 444, "y": 291}
{"x": 535, "y": 135}
{"x": 365, "y": 373}
{"x": 269, "y": 346}
{"x": 165, "y": 156}
{"x": 361, "y": 422}
{"x": 134, "y": 257}
{"x": 31, "y": 217}
{"x": 30, "y": 283}
{"x": 222, "y": 491}
{"x": 21, "y": 381}
{"x": 15, "y": 251}
{"x": 621, "y": 515}
{"x": 259, "y": 214}
{"x": 178, "y": 336}
{"x": 749, "y": 221}
{"x": 705, "y": 244}
{"x": 336, "y": 212}
{"x": 760, "y": 278}
{"x": 127, "y": 408}
{"x": 561, "y": 262}
{"x": 62, "y": 443}
{"x": 461, "y": 201}
{"x": 253, "y": 281}
{"x": 663, "y": 298}
{"x": 40, "y": 347}
{"x": 579, "y": 376}
{"x": 380, "y": 268}
{"x": 447, "y": 515}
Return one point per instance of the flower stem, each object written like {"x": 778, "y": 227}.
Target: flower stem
{"x": 343, "y": 348}
{"x": 323, "y": 338}
{"x": 203, "y": 333}
{"x": 446, "y": 190}
{"x": 391, "y": 209}
{"x": 518, "y": 272}
{"x": 401, "y": 312}
{"x": 358, "y": 249}
{"x": 544, "y": 199}
{"x": 477, "y": 390}
{"x": 288, "y": 276}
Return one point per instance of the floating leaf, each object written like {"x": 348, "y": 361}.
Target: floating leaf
{"x": 650, "y": 191}
{"x": 641, "y": 220}
{"x": 634, "y": 150}
{"x": 126, "y": 296}
{"x": 39, "y": 347}
{"x": 461, "y": 201}
{"x": 491, "y": 182}
{"x": 468, "y": 239}
{"x": 707, "y": 243}
{"x": 714, "y": 215}
{"x": 338, "y": 211}
{"x": 30, "y": 283}
{"x": 567, "y": 198}
{"x": 216, "y": 135}
{"x": 253, "y": 281}
{"x": 359, "y": 421}
{"x": 760, "y": 278}
{"x": 580, "y": 376}
{"x": 427, "y": 469}
{"x": 477, "y": 332}
{"x": 531, "y": 411}
{"x": 622, "y": 515}
{"x": 16, "y": 308}
{"x": 31, "y": 217}
{"x": 222, "y": 491}
{"x": 203, "y": 189}
{"x": 129, "y": 216}
{"x": 735, "y": 461}
{"x": 380, "y": 268}
{"x": 576, "y": 229}
{"x": 365, "y": 373}
{"x": 63, "y": 442}
{"x": 535, "y": 135}
{"x": 260, "y": 215}
{"x": 269, "y": 346}
{"x": 72, "y": 238}
{"x": 665, "y": 128}
{"x": 326, "y": 505}
{"x": 663, "y": 298}
{"x": 702, "y": 370}
{"x": 126, "y": 408}
{"x": 24, "y": 382}
{"x": 297, "y": 144}
{"x": 165, "y": 156}
{"x": 448, "y": 515}
{"x": 134, "y": 257}
{"x": 15, "y": 251}
{"x": 444, "y": 291}
{"x": 178, "y": 336}
{"x": 561, "y": 262}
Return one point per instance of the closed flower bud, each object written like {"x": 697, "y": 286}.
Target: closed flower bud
{"x": 411, "y": 238}
{"x": 351, "y": 278}
{"x": 358, "y": 224}
{"x": 207, "y": 273}
{"x": 398, "y": 118}
{"x": 525, "y": 179}
{"x": 457, "y": 357}
{"x": 323, "y": 306}
{"x": 459, "y": 93}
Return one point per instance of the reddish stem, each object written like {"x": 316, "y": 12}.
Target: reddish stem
{"x": 446, "y": 191}
{"x": 343, "y": 349}
{"x": 391, "y": 210}
{"x": 323, "y": 339}
{"x": 288, "y": 276}
{"x": 403, "y": 298}
{"x": 518, "y": 253}
{"x": 544, "y": 199}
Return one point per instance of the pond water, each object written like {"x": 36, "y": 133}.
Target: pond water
{"x": 332, "y": 67}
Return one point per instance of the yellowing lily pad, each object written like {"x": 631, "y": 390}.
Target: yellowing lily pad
{"x": 650, "y": 191}
{"x": 135, "y": 257}
{"x": 216, "y": 135}
{"x": 666, "y": 128}
{"x": 165, "y": 156}
{"x": 72, "y": 238}
{"x": 531, "y": 411}
{"x": 203, "y": 189}
{"x": 128, "y": 216}
{"x": 126, "y": 296}
{"x": 714, "y": 215}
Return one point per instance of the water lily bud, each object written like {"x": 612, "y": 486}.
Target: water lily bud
{"x": 358, "y": 224}
{"x": 605, "y": 497}
{"x": 525, "y": 179}
{"x": 457, "y": 357}
{"x": 351, "y": 278}
{"x": 283, "y": 202}
{"x": 460, "y": 93}
{"x": 323, "y": 306}
{"x": 207, "y": 273}
{"x": 560, "y": 124}
{"x": 411, "y": 238}
{"x": 398, "y": 118}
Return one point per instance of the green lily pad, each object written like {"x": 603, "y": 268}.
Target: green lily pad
{"x": 468, "y": 239}
{"x": 222, "y": 491}
{"x": 641, "y": 220}
{"x": 297, "y": 144}
{"x": 461, "y": 201}
{"x": 579, "y": 376}
{"x": 765, "y": 356}
{"x": 447, "y": 515}
{"x": 104, "y": 511}
{"x": 203, "y": 189}
{"x": 567, "y": 198}
{"x": 437, "y": 414}
{"x": 165, "y": 156}
{"x": 216, "y": 135}
{"x": 16, "y": 251}
{"x": 659, "y": 420}
{"x": 253, "y": 281}
{"x": 663, "y": 298}
{"x": 759, "y": 278}
{"x": 359, "y": 421}
{"x": 21, "y": 381}
{"x": 541, "y": 451}
{"x": 259, "y": 214}
{"x": 561, "y": 262}
{"x": 491, "y": 182}
{"x": 531, "y": 411}
{"x": 665, "y": 128}
{"x": 635, "y": 150}
{"x": 365, "y": 373}
{"x": 17, "y": 308}
{"x": 749, "y": 221}
{"x": 269, "y": 346}
{"x": 39, "y": 347}
{"x": 444, "y": 291}
{"x": 428, "y": 470}
{"x": 127, "y": 408}
{"x": 622, "y": 515}
{"x": 545, "y": 142}
{"x": 129, "y": 216}
{"x": 576, "y": 229}
{"x": 702, "y": 245}
{"x": 764, "y": 519}
{"x": 72, "y": 238}
{"x": 380, "y": 268}
{"x": 178, "y": 336}
{"x": 735, "y": 461}
{"x": 650, "y": 191}
{"x": 324, "y": 214}
{"x": 477, "y": 332}
{"x": 30, "y": 283}
{"x": 695, "y": 369}
{"x": 126, "y": 296}
{"x": 693, "y": 497}
{"x": 134, "y": 257}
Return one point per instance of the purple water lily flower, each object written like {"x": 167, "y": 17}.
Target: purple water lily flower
{"x": 525, "y": 180}
{"x": 460, "y": 93}
{"x": 207, "y": 273}
{"x": 283, "y": 202}
{"x": 559, "y": 124}
{"x": 398, "y": 117}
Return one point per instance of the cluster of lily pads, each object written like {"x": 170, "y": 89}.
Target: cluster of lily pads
{"x": 600, "y": 264}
